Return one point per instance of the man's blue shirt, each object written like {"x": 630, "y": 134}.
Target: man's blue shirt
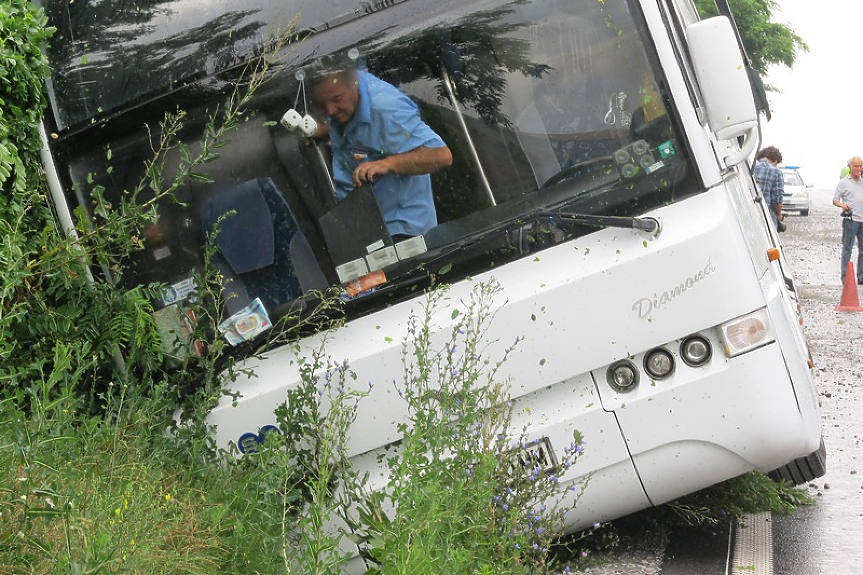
{"x": 770, "y": 180}
{"x": 386, "y": 122}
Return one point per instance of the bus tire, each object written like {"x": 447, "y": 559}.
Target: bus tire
{"x": 803, "y": 469}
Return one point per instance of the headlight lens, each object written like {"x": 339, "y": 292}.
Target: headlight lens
{"x": 622, "y": 376}
{"x": 659, "y": 363}
{"x": 695, "y": 350}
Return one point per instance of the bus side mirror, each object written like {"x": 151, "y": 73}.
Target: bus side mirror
{"x": 724, "y": 84}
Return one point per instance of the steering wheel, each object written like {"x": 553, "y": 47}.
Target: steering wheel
{"x": 570, "y": 171}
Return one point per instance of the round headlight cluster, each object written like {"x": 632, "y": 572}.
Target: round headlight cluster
{"x": 659, "y": 363}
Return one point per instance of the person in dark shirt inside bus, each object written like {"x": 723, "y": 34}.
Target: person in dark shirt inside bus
{"x": 378, "y": 137}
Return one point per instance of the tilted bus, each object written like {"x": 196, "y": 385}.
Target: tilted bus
{"x": 600, "y": 177}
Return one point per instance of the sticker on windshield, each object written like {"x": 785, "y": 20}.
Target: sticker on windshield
{"x": 246, "y": 323}
{"x": 185, "y": 289}
{"x": 652, "y": 168}
{"x": 666, "y": 150}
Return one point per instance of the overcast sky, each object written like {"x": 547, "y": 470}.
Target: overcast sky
{"x": 822, "y": 96}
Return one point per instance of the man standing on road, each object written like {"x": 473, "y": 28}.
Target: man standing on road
{"x": 849, "y": 197}
{"x": 771, "y": 182}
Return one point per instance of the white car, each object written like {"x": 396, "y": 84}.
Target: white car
{"x": 796, "y": 198}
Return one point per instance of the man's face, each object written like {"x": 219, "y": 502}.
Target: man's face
{"x": 856, "y": 167}
{"x": 338, "y": 97}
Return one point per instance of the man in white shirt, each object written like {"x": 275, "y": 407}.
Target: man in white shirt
{"x": 849, "y": 197}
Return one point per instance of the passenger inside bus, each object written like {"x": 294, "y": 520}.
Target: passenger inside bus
{"x": 378, "y": 137}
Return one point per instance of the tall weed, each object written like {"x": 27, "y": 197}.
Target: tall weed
{"x": 465, "y": 493}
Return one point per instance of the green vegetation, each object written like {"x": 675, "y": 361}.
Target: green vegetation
{"x": 749, "y": 493}
{"x": 91, "y": 482}
{"x": 767, "y": 43}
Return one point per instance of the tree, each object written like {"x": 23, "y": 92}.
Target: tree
{"x": 767, "y": 43}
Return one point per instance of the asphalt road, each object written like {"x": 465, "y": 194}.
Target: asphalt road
{"x": 825, "y": 538}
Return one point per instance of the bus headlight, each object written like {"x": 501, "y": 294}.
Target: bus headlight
{"x": 659, "y": 363}
{"x": 622, "y": 376}
{"x": 746, "y": 333}
{"x": 695, "y": 350}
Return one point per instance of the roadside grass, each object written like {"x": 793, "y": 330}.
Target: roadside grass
{"x": 80, "y": 494}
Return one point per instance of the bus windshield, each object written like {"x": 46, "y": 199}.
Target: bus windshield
{"x": 550, "y": 110}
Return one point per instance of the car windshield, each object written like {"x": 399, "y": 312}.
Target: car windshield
{"x": 549, "y": 108}
{"x": 792, "y": 178}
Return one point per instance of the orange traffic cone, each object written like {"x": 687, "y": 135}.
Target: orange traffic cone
{"x": 850, "y": 299}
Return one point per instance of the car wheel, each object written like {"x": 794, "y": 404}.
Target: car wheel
{"x": 804, "y": 212}
{"x": 803, "y": 469}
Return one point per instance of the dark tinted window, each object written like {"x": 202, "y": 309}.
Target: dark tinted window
{"x": 548, "y": 106}
{"x": 108, "y": 54}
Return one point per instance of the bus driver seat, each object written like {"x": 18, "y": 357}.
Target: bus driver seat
{"x": 256, "y": 235}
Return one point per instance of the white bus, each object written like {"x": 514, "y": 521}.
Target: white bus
{"x": 600, "y": 177}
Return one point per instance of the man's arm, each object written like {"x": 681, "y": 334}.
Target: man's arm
{"x": 422, "y": 160}
{"x": 780, "y": 193}
{"x": 837, "y": 198}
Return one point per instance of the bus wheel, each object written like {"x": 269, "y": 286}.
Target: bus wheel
{"x": 803, "y": 469}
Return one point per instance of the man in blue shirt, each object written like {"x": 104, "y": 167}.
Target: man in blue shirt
{"x": 771, "y": 182}
{"x": 378, "y": 137}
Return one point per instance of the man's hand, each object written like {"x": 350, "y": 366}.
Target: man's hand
{"x": 367, "y": 172}
{"x": 422, "y": 160}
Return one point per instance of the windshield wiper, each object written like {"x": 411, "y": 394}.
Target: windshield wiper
{"x": 650, "y": 225}
{"x": 502, "y": 230}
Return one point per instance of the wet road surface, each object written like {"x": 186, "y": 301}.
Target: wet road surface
{"x": 827, "y": 537}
